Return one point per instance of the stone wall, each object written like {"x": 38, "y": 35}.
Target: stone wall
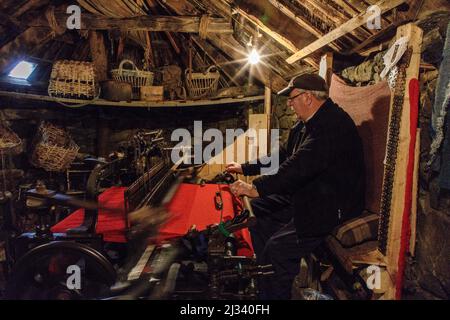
{"x": 283, "y": 117}
{"x": 434, "y": 27}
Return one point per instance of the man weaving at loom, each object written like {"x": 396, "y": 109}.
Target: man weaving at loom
{"x": 319, "y": 184}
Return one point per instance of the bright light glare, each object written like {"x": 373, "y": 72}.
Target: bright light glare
{"x": 22, "y": 70}
{"x": 253, "y": 57}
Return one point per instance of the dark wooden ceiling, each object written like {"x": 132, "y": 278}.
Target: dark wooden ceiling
{"x": 277, "y": 27}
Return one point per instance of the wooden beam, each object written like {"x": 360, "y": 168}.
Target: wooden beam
{"x": 380, "y": 34}
{"x": 99, "y": 55}
{"x": 413, "y": 220}
{"x": 132, "y": 104}
{"x": 399, "y": 183}
{"x": 188, "y": 24}
{"x": 29, "y": 5}
{"x": 362, "y": 6}
{"x": 274, "y": 35}
{"x": 352, "y": 24}
{"x": 326, "y": 67}
{"x": 218, "y": 59}
{"x": 30, "y": 38}
{"x": 231, "y": 46}
{"x": 300, "y": 20}
{"x": 335, "y": 16}
{"x": 276, "y": 60}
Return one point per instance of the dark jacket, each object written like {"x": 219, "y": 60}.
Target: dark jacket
{"x": 322, "y": 168}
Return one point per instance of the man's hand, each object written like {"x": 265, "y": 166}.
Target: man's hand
{"x": 240, "y": 188}
{"x": 233, "y": 167}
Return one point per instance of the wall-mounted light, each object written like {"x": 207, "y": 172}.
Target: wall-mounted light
{"x": 22, "y": 70}
{"x": 254, "y": 57}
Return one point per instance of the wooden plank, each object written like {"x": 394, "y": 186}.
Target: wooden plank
{"x": 362, "y": 6}
{"x": 415, "y": 187}
{"x": 358, "y": 7}
{"x": 336, "y": 17}
{"x": 188, "y": 24}
{"x": 301, "y": 21}
{"x": 276, "y": 56}
{"x": 352, "y": 24}
{"x": 133, "y": 104}
{"x": 98, "y": 55}
{"x": 399, "y": 185}
{"x": 382, "y": 33}
{"x": 326, "y": 67}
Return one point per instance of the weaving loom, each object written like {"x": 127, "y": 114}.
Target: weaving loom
{"x": 196, "y": 230}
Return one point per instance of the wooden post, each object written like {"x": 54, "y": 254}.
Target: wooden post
{"x": 99, "y": 55}
{"x": 399, "y": 184}
{"x": 326, "y": 67}
{"x": 413, "y": 220}
{"x": 268, "y": 107}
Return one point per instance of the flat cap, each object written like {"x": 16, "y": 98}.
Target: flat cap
{"x": 307, "y": 81}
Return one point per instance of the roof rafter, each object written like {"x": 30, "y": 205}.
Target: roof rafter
{"x": 360, "y": 19}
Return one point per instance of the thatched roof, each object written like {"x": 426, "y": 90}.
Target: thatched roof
{"x": 160, "y": 32}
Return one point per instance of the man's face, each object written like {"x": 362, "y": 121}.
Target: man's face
{"x": 298, "y": 101}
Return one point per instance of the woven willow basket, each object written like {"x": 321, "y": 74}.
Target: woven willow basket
{"x": 137, "y": 78}
{"x": 9, "y": 141}
{"x": 73, "y": 79}
{"x": 200, "y": 85}
{"x": 54, "y": 149}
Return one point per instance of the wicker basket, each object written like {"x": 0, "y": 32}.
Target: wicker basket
{"x": 54, "y": 149}
{"x": 9, "y": 141}
{"x": 73, "y": 79}
{"x": 200, "y": 85}
{"x": 137, "y": 78}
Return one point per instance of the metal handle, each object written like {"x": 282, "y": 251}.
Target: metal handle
{"x": 251, "y": 220}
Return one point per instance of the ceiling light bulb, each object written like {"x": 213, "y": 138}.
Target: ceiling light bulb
{"x": 253, "y": 57}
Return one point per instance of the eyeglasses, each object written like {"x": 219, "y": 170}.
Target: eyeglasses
{"x": 292, "y": 98}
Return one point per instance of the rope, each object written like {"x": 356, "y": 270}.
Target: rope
{"x": 53, "y": 24}
{"x": 205, "y": 20}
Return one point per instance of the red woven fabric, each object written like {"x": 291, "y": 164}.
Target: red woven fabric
{"x": 191, "y": 205}
{"x": 194, "y": 205}
{"x": 111, "y": 225}
{"x": 414, "y": 92}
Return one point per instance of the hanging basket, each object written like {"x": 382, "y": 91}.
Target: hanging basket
{"x": 201, "y": 85}
{"x": 54, "y": 149}
{"x": 73, "y": 79}
{"x": 9, "y": 141}
{"x": 137, "y": 78}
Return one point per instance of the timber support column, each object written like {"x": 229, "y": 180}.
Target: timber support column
{"x": 393, "y": 235}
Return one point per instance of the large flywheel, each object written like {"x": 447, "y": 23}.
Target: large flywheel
{"x": 61, "y": 270}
